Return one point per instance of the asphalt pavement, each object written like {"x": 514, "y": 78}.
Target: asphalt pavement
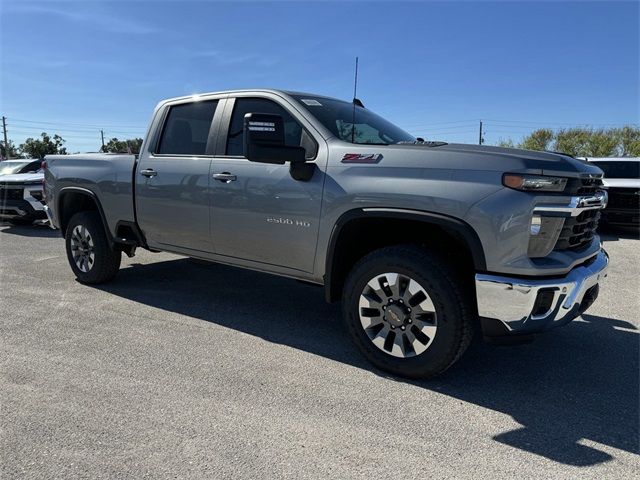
{"x": 183, "y": 370}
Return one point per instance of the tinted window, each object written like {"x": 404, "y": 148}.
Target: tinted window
{"x": 186, "y": 129}
{"x": 32, "y": 167}
{"x": 614, "y": 169}
{"x": 337, "y": 116}
{"x": 235, "y": 140}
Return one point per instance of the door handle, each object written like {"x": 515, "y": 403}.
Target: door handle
{"x": 225, "y": 177}
{"x": 149, "y": 172}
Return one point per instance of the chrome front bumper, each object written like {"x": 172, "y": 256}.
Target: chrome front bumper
{"x": 515, "y": 303}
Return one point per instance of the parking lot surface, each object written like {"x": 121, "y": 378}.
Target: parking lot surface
{"x": 182, "y": 370}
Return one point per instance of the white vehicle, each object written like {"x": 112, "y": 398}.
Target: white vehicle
{"x": 622, "y": 180}
{"x": 22, "y": 198}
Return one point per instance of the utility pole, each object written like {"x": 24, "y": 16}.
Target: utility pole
{"x": 6, "y": 142}
{"x": 102, "y": 137}
{"x": 480, "y": 139}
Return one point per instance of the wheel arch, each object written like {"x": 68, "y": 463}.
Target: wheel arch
{"x": 72, "y": 200}
{"x": 351, "y": 239}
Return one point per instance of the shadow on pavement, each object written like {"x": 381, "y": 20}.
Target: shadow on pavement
{"x": 36, "y": 230}
{"x": 613, "y": 234}
{"x": 579, "y": 382}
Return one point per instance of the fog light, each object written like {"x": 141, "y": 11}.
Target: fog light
{"x": 536, "y": 225}
{"x": 544, "y": 233}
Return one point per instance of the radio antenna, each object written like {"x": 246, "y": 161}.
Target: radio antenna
{"x": 355, "y": 98}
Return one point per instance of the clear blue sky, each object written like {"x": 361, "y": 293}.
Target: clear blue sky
{"x": 433, "y": 68}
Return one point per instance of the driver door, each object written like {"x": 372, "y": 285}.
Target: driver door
{"x": 259, "y": 213}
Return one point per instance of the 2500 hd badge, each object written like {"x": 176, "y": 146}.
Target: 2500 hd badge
{"x": 289, "y": 221}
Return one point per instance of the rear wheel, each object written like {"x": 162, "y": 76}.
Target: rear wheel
{"x": 88, "y": 251}
{"x": 406, "y": 311}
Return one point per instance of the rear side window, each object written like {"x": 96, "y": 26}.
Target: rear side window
{"x": 186, "y": 129}
{"x": 235, "y": 142}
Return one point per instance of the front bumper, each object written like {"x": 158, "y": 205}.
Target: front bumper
{"x": 23, "y": 209}
{"x": 508, "y": 305}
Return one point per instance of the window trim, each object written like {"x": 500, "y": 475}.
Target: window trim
{"x": 211, "y": 136}
{"x": 223, "y": 132}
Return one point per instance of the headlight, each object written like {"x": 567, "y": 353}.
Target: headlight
{"x": 534, "y": 183}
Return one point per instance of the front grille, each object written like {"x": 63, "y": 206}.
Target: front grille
{"x": 578, "y": 231}
{"x": 11, "y": 194}
{"x": 584, "y": 186}
{"x": 624, "y": 198}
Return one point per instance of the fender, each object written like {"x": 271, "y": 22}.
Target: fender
{"x": 94, "y": 197}
{"x": 452, "y": 224}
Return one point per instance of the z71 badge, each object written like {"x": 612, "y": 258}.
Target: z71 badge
{"x": 361, "y": 158}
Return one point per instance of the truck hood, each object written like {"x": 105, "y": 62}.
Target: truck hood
{"x": 22, "y": 178}
{"x": 507, "y": 159}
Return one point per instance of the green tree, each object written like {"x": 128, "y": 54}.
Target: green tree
{"x": 122, "y": 146}
{"x": 601, "y": 143}
{"x": 507, "y": 143}
{"x": 45, "y": 145}
{"x": 573, "y": 141}
{"x": 628, "y": 140}
{"x": 540, "y": 139}
{"x": 9, "y": 151}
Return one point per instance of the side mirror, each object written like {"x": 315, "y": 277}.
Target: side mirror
{"x": 264, "y": 140}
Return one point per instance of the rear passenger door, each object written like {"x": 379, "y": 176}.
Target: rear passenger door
{"x": 173, "y": 181}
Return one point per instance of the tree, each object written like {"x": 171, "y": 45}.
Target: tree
{"x": 45, "y": 145}
{"x": 538, "y": 140}
{"x": 573, "y": 141}
{"x": 9, "y": 151}
{"x": 508, "y": 143}
{"x": 122, "y": 146}
{"x": 628, "y": 139}
{"x": 583, "y": 142}
{"x": 601, "y": 143}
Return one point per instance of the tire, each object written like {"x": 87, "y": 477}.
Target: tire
{"x": 97, "y": 262}
{"x": 21, "y": 221}
{"x": 447, "y": 331}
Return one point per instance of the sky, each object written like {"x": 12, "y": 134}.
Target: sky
{"x": 434, "y": 68}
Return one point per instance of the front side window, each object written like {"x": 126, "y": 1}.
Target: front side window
{"x": 294, "y": 134}
{"x": 338, "y": 117}
{"x": 186, "y": 129}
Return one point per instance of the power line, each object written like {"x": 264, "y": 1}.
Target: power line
{"x": 561, "y": 123}
{"x": 439, "y": 123}
{"x": 73, "y": 124}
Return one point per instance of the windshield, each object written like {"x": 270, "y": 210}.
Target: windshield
{"x": 620, "y": 169}
{"x": 7, "y": 168}
{"x": 368, "y": 129}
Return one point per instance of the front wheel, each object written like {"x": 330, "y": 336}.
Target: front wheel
{"x": 406, "y": 311}
{"x": 90, "y": 256}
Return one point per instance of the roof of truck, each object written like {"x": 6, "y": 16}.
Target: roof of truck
{"x": 246, "y": 90}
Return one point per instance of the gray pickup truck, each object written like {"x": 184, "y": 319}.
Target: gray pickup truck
{"x": 424, "y": 243}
